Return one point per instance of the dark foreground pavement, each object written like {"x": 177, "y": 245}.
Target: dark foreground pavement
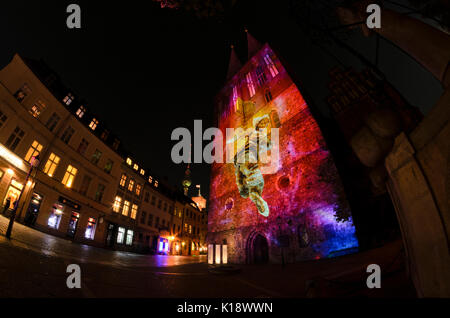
{"x": 33, "y": 264}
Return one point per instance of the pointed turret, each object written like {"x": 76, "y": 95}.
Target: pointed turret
{"x": 253, "y": 45}
{"x": 235, "y": 65}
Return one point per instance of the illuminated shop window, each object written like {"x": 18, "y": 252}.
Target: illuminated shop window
{"x": 52, "y": 121}
{"x": 13, "y": 193}
{"x": 131, "y": 185}
{"x": 15, "y": 138}
{"x": 270, "y": 65}
{"x": 69, "y": 177}
{"x": 108, "y": 166}
{"x": 123, "y": 180}
{"x": 142, "y": 172}
{"x": 217, "y": 252}
{"x": 83, "y": 146}
{"x": 250, "y": 84}
{"x": 68, "y": 99}
{"x": 34, "y": 150}
{"x": 23, "y": 92}
{"x": 134, "y": 209}
{"x": 120, "y": 235}
{"x": 68, "y": 133}
{"x": 55, "y": 216}
{"x": 90, "y": 229}
{"x": 211, "y": 254}
{"x": 93, "y": 124}
{"x": 96, "y": 156}
{"x": 130, "y": 234}
{"x": 138, "y": 189}
{"x": 37, "y": 108}
{"x": 116, "y": 205}
{"x": 80, "y": 112}
{"x": 52, "y": 163}
{"x": 126, "y": 207}
{"x": 3, "y": 119}
{"x": 129, "y": 161}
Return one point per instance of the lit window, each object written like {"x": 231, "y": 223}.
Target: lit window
{"x": 123, "y": 180}
{"x": 69, "y": 177}
{"x": 156, "y": 183}
{"x": 52, "y": 163}
{"x": 129, "y": 161}
{"x": 93, "y": 124}
{"x": 138, "y": 189}
{"x": 34, "y": 150}
{"x": 67, "y": 134}
{"x": 116, "y": 205}
{"x": 55, "y": 216}
{"x": 83, "y": 146}
{"x": 96, "y": 156}
{"x": 108, "y": 166}
{"x": 250, "y": 84}
{"x": 15, "y": 138}
{"x": 235, "y": 97}
{"x": 68, "y": 99}
{"x": 150, "y": 179}
{"x": 131, "y": 185}
{"x": 272, "y": 68}
{"x": 120, "y": 235}
{"x": 52, "y": 121}
{"x": 23, "y": 92}
{"x": 129, "y": 237}
{"x": 126, "y": 207}
{"x": 142, "y": 172}
{"x": 134, "y": 209}
{"x": 136, "y": 167}
{"x": 37, "y": 108}
{"x": 80, "y": 112}
{"x": 190, "y": 229}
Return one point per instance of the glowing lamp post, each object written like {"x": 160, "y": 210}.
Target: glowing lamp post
{"x": 34, "y": 162}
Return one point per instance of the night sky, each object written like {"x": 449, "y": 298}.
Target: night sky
{"x": 146, "y": 71}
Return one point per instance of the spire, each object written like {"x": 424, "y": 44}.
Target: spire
{"x": 234, "y": 65}
{"x": 253, "y": 45}
{"x": 187, "y": 180}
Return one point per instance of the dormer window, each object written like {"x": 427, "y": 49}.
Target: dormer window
{"x": 116, "y": 144}
{"x": 80, "y": 112}
{"x": 129, "y": 161}
{"x": 93, "y": 124}
{"x": 150, "y": 179}
{"x": 156, "y": 183}
{"x": 68, "y": 99}
{"x": 142, "y": 172}
{"x": 136, "y": 167}
{"x": 105, "y": 134}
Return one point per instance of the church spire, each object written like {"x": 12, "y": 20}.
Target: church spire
{"x": 253, "y": 45}
{"x": 234, "y": 65}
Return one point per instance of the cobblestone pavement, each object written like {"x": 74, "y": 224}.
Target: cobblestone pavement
{"x": 33, "y": 264}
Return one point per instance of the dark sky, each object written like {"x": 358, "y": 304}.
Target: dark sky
{"x": 146, "y": 71}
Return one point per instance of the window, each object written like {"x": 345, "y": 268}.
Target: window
{"x": 120, "y": 235}
{"x": 96, "y": 156}
{"x": 267, "y": 96}
{"x": 100, "y": 191}
{"x": 157, "y": 221}
{"x": 68, "y": 99}
{"x": 52, "y": 163}
{"x": 138, "y": 189}
{"x": 131, "y": 185}
{"x": 116, "y": 144}
{"x": 126, "y": 207}
{"x": 93, "y": 124}
{"x": 69, "y": 177}
{"x": 116, "y": 205}
{"x": 130, "y": 234}
{"x": 153, "y": 200}
{"x": 142, "y": 172}
{"x": 271, "y": 66}
{"x": 260, "y": 75}
{"x": 150, "y": 220}
{"x": 15, "y": 138}
{"x": 165, "y": 206}
{"x": 104, "y": 135}
{"x": 146, "y": 197}
{"x": 83, "y": 146}
{"x": 159, "y": 203}
{"x": 129, "y": 161}
{"x": 250, "y": 84}
{"x": 34, "y": 150}
{"x": 150, "y": 179}
{"x": 52, "y": 121}
{"x": 163, "y": 223}
{"x": 80, "y": 112}
{"x": 3, "y": 119}
{"x": 67, "y": 134}
{"x": 123, "y": 180}
{"x": 136, "y": 167}
{"x": 108, "y": 166}
{"x": 190, "y": 229}
{"x": 90, "y": 229}
{"x": 143, "y": 216}
{"x": 85, "y": 184}
{"x": 134, "y": 209}
{"x": 235, "y": 97}
{"x": 23, "y": 92}
{"x": 156, "y": 183}
{"x": 37, "y": 108}
{"x": 55, "y": 216}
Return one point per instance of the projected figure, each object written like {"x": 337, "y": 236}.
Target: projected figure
{"x": 249, "y": 179}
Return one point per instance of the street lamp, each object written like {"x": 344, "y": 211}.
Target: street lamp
{"x": 34, "y": 162}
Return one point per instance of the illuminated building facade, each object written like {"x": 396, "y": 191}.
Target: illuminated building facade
{"x": 290, "y": 213}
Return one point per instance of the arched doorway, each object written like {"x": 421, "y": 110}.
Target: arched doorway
{"x": 260, "y": 250}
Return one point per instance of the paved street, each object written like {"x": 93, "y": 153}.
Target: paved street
{"x": 33, "y": 264}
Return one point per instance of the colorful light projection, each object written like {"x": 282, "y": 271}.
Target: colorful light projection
{"x": 304, "y": 188}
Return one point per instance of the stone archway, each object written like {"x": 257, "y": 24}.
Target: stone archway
{"x": 257, "y": 248}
